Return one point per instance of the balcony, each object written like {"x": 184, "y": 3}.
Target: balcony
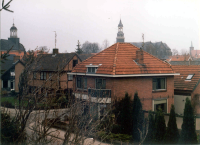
{"x": 100, "y": 93}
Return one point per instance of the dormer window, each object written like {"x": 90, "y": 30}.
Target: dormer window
{"x": 189, "y": 77}
{"x": 92, "y": 68}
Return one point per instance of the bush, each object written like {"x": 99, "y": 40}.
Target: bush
{"x": 7, "y": 104}
{"x": 13, "y": 93}
{"x": 116, "y": 128}
{"x": 4, "y": 92}
{"x": 113, "y": 137}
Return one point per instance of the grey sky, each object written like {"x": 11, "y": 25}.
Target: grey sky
{"x": 175, "y": 22}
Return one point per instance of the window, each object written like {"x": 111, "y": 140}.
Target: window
{"x": 189, "y": 77}
{"x": 50, "y": 74}
{"x": 34, "y": 75}
{"x": 75, "y": 62}
{"x": 43, "y": 75}
{"x": 91, "y": 69}
{"x": 12, "y": 74}
{"x": 70, "y": 77}
{"x": 81, "y": 83}
{"x": 100, "y": 83}
{"x": 159, "y": 84}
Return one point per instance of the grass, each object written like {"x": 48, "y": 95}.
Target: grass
{"x": 13, "y": 100}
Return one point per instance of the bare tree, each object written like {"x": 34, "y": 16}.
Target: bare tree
{"x": 105, "y": 44}
{"x": 174, "y": 51}
{"x": 88, "y": 47}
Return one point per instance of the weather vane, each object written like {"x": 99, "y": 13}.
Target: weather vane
{"x": 55, "y": 38}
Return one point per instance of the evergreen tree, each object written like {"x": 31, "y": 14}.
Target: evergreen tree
{"x": 160, "y": 127}
{"x": 151, "y": 129}
{"x": 188, "y": 134}
{"x": 137, "y": 117}
{"x": 172, "y": 135}
{"x": 126, "y": 121}
{"x": 78, "y": 49}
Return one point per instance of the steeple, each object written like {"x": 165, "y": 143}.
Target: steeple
{"x": 13, "y": 31}
{"x": 120, "y": 34}
{"x": 191, "y": 48}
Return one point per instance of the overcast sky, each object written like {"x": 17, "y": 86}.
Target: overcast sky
{"x": 174, "y": 22}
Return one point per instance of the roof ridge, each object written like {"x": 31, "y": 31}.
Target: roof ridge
{"x": 115, "y": 59}
{"x": 98, "y": 53}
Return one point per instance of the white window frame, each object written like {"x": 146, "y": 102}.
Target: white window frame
{"x": 12, "y": 74}
{"x": 70, "y": 77}
{"x": 189, "y": 77}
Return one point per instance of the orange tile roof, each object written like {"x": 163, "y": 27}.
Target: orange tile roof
{"x": 119, "y": 59}
{"x": 195, "y": 53}
{"x": 185, "y": 70}
{"x": 178, "y": 58}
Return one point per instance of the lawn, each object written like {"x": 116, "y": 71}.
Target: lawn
{"x": 13, "y": 100}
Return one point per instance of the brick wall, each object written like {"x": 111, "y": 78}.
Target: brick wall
{"x": 18, "y": 70}
{"x": 143, "y": 85}
{"x": 55, "y": 82}
{"x": 196, "y": 92}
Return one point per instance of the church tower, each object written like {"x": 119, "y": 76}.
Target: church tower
{"x": 120, "y": 34}
{"x": 13, "y": 35}
{"x": 191, "y": 48}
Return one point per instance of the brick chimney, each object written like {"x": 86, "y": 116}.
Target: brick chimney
{"x": 16, "y": 58}
{"x": 55, "y": 51}
{"x": 139, "y": 56}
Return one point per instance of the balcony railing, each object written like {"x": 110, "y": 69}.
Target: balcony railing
{"x": 101, "y": 93}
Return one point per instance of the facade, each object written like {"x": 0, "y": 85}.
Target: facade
{"x": 123, "y": 68}
{"x": 120, "y": 34}
{"x": 187, "y": 84}
{"x": 12, "y": 70}
{"x": 14, "y": 43}
{"x": 49, "y": 72}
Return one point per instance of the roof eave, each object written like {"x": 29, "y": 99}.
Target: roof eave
{"x": 128, "y": 75}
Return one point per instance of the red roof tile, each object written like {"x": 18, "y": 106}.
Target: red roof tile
{"x": 178, "y": 58}
{"x": 180, "y": 82}
{"x": 120, "y": 58}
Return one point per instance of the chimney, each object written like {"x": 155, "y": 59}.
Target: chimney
{"x": 139, "y": 56}
{"x": 55, "y": 51}
{"x": 16, "y": 58}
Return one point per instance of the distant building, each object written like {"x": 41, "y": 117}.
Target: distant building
{"x": 195, "y": 54}
{"x": 158, "y": 49}
{"x": 14, "y": 43}
{"x": 120, "y": 34}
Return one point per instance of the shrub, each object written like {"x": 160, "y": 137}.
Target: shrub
{"x": 188, "y": 134}
{"x": 7, "y": 104}
{"x": 13, "y": 93}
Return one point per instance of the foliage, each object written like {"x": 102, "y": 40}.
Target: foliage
{"x": 7, "y": 104}
{"x": 88, "y": 47}
{"x": 137, "y": 117}
{"x": 188, "y": 134}
{"x": 172, "y": 134}
{"x": 125, "y": 117}
{"x": 6, "y": 6}
{"x": 151, "y": 129}
{"x": 78, "y": 49}
{"x": 160, "y": 127}
{"x": 114, "y": 137}
{"x": 10, "y": 130}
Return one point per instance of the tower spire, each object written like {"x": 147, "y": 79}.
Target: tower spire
{"x": 191, "y": 44}
{"x": 120, "y": 34}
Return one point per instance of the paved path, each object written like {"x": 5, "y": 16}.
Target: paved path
{"x": 58, "y": 134}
